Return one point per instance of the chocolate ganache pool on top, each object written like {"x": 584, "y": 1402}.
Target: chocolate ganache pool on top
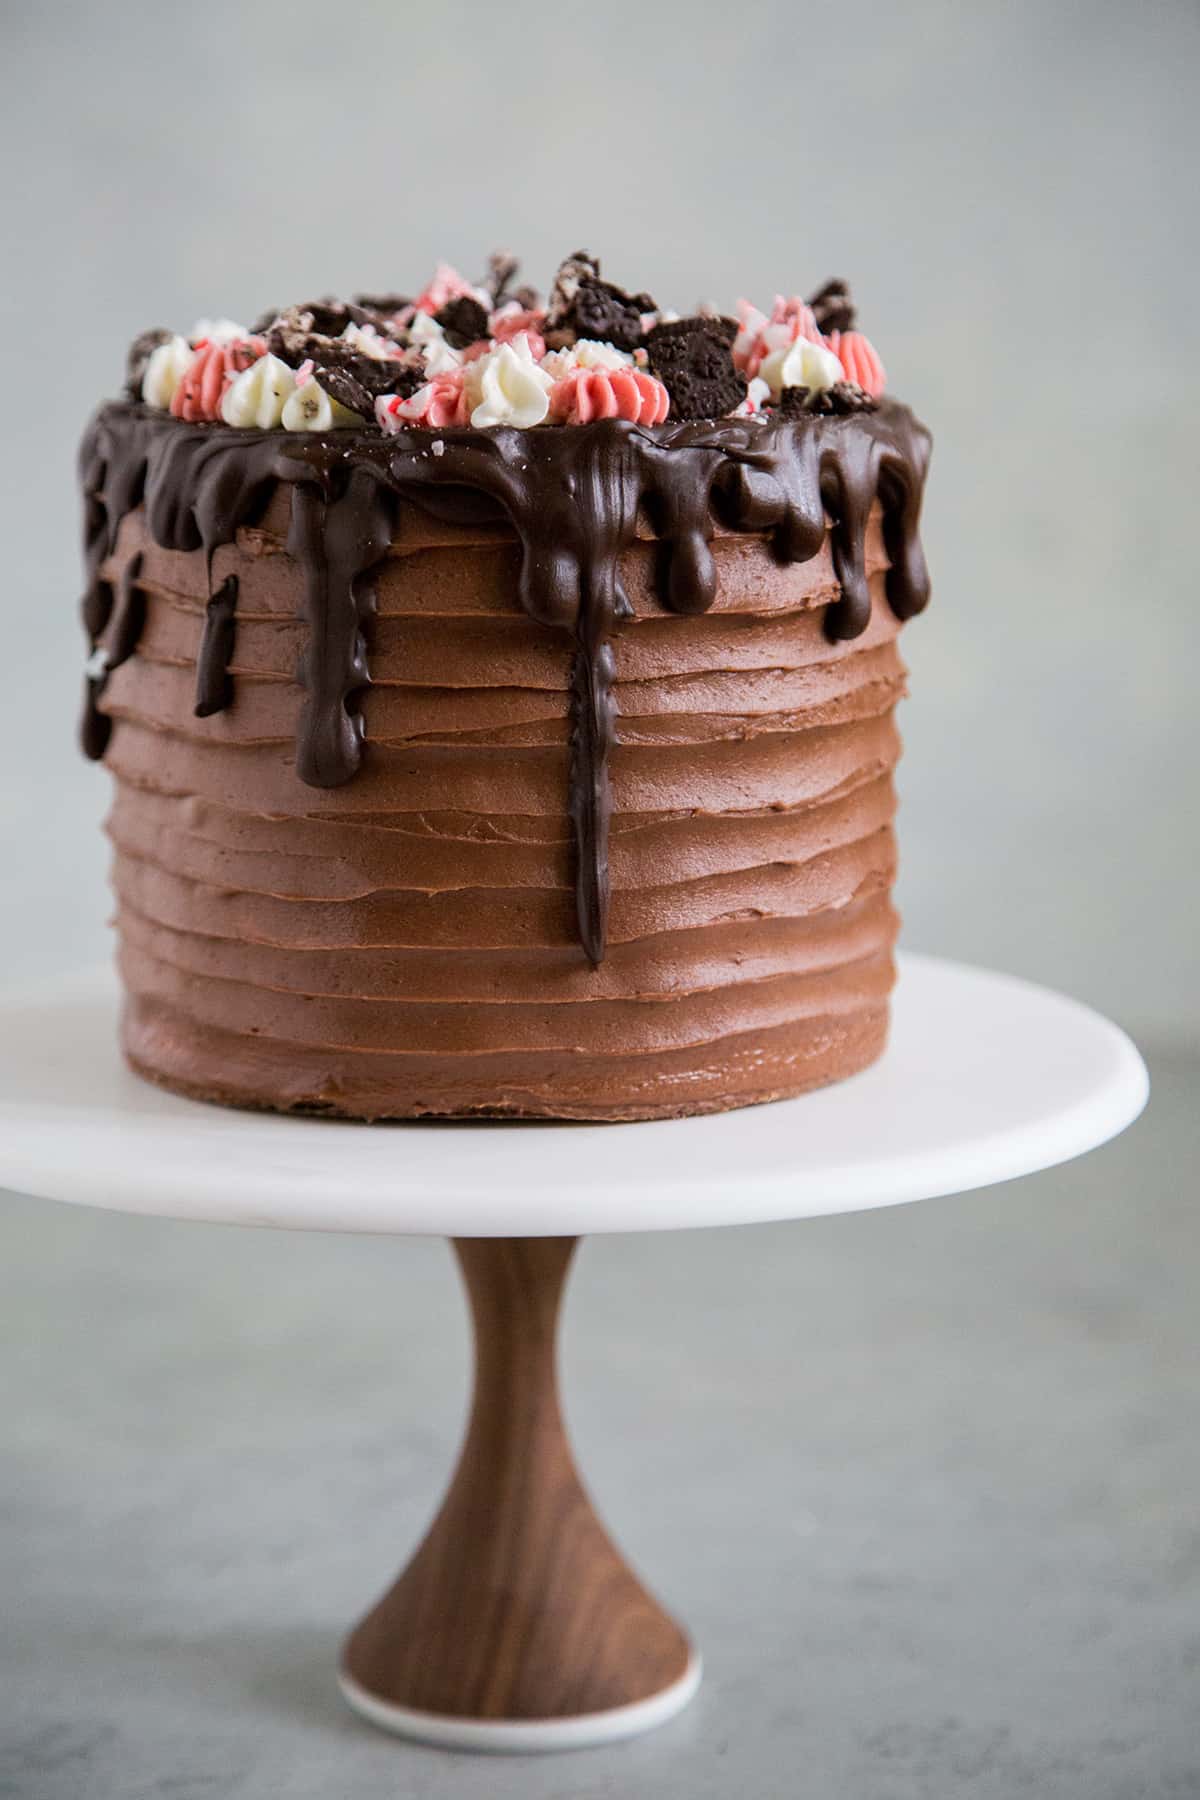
{"x": 499, "y": 699}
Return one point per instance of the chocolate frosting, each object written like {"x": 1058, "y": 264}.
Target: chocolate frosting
{"x": 574, "y": 496}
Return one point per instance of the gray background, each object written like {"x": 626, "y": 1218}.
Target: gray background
{"x": 1012, "y": 191}
{"x": 923, "y": 1482}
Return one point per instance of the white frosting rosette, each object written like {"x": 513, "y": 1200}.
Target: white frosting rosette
{"x": 258, "y": 397}
{"x": 309, "y": 408}
{"x": 585, "y": 353}
{"x": 801, "y": 364}
{"x": 167, "y": 365}
{"x": 507, "y": 387}
{"x": 219, "y": 331}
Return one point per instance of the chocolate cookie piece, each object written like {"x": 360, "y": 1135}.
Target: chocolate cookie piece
{"x": 842, "y": 397}
{"x": 464, "y": 321}
{"x": 358, "y": 381}
{"x": 140, "y": 352}
{"x": 341, "y": 367}
{"x": 341, "y": 385}
{"x": 382, "y": 306}
{"x": 293, "y": 343}
{"x": 693, "y": 359}
{"x": 320, "y": 318}
{"x": 605, "y": 312}
{"x": 848, "y": 397}
{"x": 310, "y": 316}
{"x": 573, "y": 269}
{"x": 501, "y": 273}
{"x": 832, "y": 307}
{"x": 581, "y": 305}
{"x": 712, "y": 325}
{"x": 294, "y": 339}
{"x": 404, "y": 375}
{"x": 793, "y": 402}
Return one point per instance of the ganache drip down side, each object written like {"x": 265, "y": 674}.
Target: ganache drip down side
{"x": 214, "y": 684}
{"x": 573, "y": 499}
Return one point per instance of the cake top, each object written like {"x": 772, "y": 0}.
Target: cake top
{"x": 492, "y": 353}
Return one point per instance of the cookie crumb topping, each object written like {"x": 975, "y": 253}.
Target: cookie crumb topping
{"x": 491, "y": 353}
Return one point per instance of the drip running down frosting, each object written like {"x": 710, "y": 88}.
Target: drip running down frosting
{"x": 574, "y": 501}
{"x": 617, "y": 482}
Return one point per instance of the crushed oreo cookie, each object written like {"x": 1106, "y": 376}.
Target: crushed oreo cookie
{"x": 341, "y": 385}
{"x": 693, "y": 359}
{"x": 848, "y": 397}
{"x": 573, "y": 269}
{"x": 792, "y": 402}
{"x": 382, "y": 306}
{"x": 832, "y": 307}
{"x": 501, "y": 273}
{"x": 608, "y": 314}
{"x": 581, "y": 305}
{"x": 464, "y": 321}
{"x": 320, "y": 318}
{"x": 342, "y": 368}
{"x": 294, "y": 339}
{"x": 842, "y": 397}
{"x": 358, "y": 381}
{"x": 140, "y": 352}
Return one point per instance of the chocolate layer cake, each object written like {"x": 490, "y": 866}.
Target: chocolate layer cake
{"x": 499, "y": 700}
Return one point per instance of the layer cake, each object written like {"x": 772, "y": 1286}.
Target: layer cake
{"x": 499, "y": 700}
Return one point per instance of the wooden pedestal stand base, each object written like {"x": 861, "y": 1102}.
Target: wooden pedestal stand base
{"x": 517, "y": 1625}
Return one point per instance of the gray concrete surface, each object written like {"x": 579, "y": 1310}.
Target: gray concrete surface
{"x": 923, "y": 1482}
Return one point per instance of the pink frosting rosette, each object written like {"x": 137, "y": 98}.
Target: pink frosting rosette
{"x": 439, "y": 405}
{"x": 586, "y": 394}
{"x": 798, "y": 317}
{"x": 860, "y": 359}
{"x": 212, "y": 368}
{"x": 758, "y": 336}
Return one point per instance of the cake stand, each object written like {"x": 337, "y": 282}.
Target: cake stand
{"x": 517, "y": 1625}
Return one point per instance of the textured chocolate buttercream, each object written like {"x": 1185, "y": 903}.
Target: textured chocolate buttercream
{"x": 426, "y": 805}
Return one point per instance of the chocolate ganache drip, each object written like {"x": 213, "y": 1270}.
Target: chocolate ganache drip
{"x": 573, "y": 497}
{"x": 214, "y": 684}
{"x": 121, "y": 623}
{"x": 341, "y": 525}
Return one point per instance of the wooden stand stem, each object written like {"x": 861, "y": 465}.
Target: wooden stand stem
{"x": 517, "y": 1606}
